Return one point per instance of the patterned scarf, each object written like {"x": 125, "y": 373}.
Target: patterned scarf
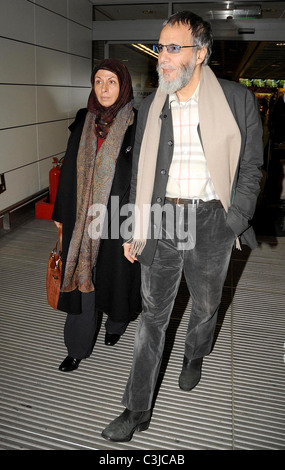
{"x": 95, "y": 173}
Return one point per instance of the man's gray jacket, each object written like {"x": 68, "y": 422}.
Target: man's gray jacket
{"x": 245, "y": 187}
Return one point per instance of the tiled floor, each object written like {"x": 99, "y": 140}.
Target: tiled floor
{"x": 238, "y": 404}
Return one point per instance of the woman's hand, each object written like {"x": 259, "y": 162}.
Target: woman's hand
{"x": 58, "y": 224}
{"x": 127, "y": 248}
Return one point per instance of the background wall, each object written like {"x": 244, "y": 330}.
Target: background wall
{"x": 45, "y": 57}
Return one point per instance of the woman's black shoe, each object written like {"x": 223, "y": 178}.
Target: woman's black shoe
{"x": 69, "y": 364}
{"x": 110, "y": 339}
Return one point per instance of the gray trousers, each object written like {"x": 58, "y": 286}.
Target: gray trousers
{"x": 205, "y": 267}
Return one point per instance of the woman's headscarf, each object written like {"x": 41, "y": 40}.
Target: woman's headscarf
{"x": 95, "y": 174}
{"x": 106, "y": 115}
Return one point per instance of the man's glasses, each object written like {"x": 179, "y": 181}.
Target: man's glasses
{"x": 171, "y": 48}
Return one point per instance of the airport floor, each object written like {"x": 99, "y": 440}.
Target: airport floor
{"x": 239, "y": 403}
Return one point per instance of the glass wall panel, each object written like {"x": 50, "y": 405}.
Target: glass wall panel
{"x": 142, "y": 68}
{"x": 97, "y": 51}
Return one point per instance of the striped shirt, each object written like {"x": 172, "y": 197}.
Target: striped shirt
{"x": 189, "y": 177}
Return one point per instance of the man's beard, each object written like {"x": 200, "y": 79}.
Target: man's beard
{"x": 184, "y": 75}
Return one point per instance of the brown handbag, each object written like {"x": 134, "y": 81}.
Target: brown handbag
{"x": 54, "y": 273}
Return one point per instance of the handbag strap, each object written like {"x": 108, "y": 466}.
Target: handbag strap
{"x": 59, "y": 240}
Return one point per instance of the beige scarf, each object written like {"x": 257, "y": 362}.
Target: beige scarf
{"x": 95, "y": 174}
{"x": 221, "y": 142}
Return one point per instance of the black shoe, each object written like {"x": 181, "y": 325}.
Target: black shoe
{"x": 69, "y": 364}
{"x": 110, "y": 339}
{"x": 190, "y": 374}
{"x": 123, "y": 427}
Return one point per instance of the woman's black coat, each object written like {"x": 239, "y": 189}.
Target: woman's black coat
{"x": 117, "y": 281}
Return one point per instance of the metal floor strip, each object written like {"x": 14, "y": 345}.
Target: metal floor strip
{"x": 238, "y": 404}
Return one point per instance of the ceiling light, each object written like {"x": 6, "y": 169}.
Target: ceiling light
{"x": 146, "y": 50}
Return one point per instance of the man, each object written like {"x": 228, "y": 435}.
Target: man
{"x": 198, "y": 148}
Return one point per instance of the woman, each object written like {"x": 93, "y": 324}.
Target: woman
{"x": 96, "y": 173}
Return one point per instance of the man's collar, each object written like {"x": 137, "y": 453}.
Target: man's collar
{"x": 173, "y": 97}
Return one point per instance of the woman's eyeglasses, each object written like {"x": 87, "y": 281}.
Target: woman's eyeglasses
{"x": 171, "y": 48}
